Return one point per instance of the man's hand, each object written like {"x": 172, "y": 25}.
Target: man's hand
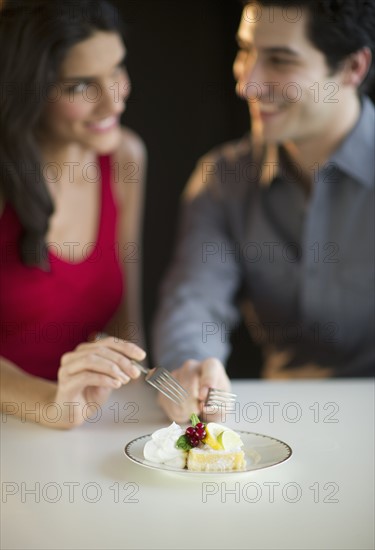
{"x": 196, "y": 377}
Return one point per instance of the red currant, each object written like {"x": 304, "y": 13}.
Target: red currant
{"x": 200, "y": 426}
{"x": 194, "y": 441}
{"x": 200, "y": 434}
{"x": 190, "y": 432}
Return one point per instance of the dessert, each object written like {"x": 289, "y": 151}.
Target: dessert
{"x": 161, "y": 448}
{"x": 201, "y": 447}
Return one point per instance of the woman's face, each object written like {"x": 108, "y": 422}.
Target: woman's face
{"x": 86, "y": 105}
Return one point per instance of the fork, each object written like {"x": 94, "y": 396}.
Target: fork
{"x": 159, "y": 378}
{"x": 220, "y": 398}
{"x": 162, "y": 380}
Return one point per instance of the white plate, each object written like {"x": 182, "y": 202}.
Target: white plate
{"x": 261, "y": 451}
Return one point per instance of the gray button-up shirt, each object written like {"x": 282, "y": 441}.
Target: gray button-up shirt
{"x": 301, "y": 265}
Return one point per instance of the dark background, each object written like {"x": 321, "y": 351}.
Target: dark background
{"x": 180, "y": 57}
{"x": 183, "y": 103}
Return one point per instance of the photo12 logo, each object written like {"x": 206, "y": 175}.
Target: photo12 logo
{"x": 271, "y": 492}
{"x": 275, "y": 411}
{"x": 52, "y": 413}
{"x": 68, "y": 491}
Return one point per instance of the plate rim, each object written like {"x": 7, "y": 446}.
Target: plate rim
{"x": 185, "y": 471}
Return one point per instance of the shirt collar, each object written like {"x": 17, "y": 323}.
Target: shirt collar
{"x": 355, "y": 156}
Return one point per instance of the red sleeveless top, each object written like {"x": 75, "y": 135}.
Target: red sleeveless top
{"x": 45, "y": 314}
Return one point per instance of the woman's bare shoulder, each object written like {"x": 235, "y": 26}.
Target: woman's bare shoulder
{"x": 131, "y": 147}
{"x": 130, "y": 160}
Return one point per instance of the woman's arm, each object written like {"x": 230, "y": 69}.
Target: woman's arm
{"x": 129, "y": 186}
{"x": 23, "y": 395}
{"x": 86, "y": 377}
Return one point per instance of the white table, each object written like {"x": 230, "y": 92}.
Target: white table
{"x": 77, "y": 490}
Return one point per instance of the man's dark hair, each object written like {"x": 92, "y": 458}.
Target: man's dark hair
{"x": 337, "y": 28}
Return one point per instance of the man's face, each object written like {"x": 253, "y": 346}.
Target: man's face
{"x": 282, "y": 76}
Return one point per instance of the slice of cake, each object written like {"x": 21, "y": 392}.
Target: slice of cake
{"x": 208, "y": 460}
{"x": 218, "y": 450}
{"x": 201, "y": 447}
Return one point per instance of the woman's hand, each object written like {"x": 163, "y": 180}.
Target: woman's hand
{"x": 196, "y": 377}
{"x": 89, "y": 374}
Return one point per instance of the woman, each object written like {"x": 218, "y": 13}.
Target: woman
{"x": 71, "y": 189}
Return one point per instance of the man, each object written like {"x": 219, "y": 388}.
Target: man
{"x": 279, "y": 225}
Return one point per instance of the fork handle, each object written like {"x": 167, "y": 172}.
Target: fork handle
{"x": 143, "y": 369}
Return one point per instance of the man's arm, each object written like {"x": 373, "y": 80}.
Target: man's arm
{"x": 197, "y": 307}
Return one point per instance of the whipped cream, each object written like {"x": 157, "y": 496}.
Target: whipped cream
{"x": 162, "y": 447}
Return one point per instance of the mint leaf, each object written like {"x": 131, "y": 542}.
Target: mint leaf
{"x": 194, "y": 419}
{"x": 183, "y": 443}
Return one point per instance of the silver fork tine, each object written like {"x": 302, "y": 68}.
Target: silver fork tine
{"x": 220, "y": 398}
{"x": 172, "y": 383}
{"x": 221, "y": 395}
{"x": 163, "y": 381}
{"x": 157, "y": 386}
{"x": 159, "y": 378}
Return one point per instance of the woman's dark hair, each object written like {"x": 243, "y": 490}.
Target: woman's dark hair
{"x": 35, "y": 36}
{"x": 337, "y": 28}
